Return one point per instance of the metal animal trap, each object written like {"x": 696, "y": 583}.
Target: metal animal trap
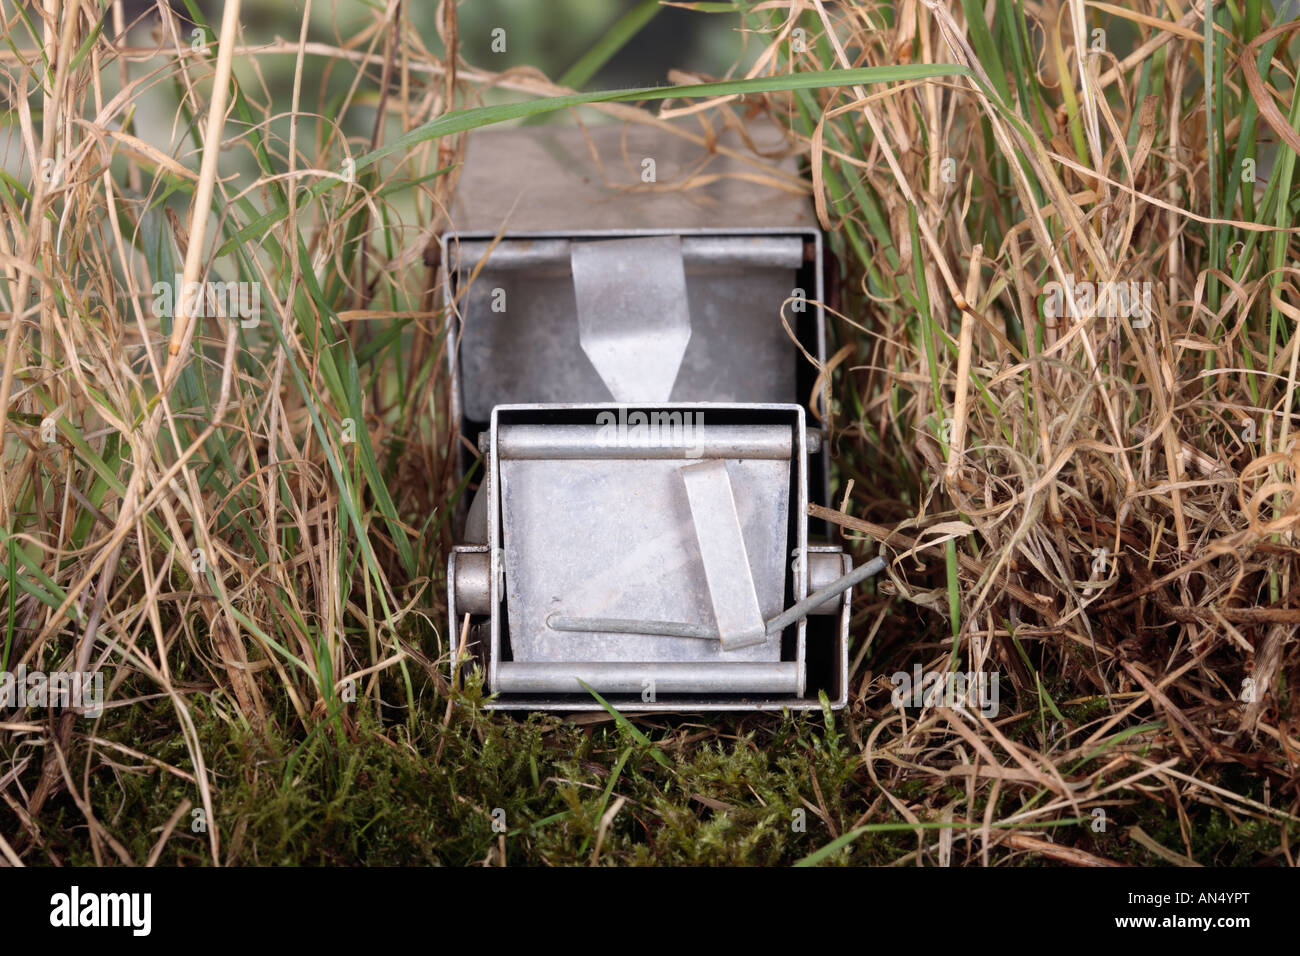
{"x": 640, "y": 528}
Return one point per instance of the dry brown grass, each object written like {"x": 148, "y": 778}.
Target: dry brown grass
{"x": 1103, "y": 514}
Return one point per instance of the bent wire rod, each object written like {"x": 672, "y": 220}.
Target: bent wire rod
{"x": 801, "y": 609}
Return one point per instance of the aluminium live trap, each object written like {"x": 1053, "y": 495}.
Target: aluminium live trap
{"x": 640, "y": 527}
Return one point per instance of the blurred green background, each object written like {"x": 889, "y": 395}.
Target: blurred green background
{"x": 550, "y": 35}
{"x": 547, "y": 35}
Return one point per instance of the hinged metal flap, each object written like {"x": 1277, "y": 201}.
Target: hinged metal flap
{"x": 633, "y": 317}
{"x": 726, "y": 563}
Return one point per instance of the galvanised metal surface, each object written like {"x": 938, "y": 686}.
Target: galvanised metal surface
{"x": 749, "y": 239}
{"x": 521, "y": 334}
{"x": 726, "y": 678}
{"x": 589, "y": 302}
{"x": 661, "y": 433}
{"x": 614, "y": 537}
{"x": 570, "y": 179}
{"x": 720, "y": 536}
{"x": 634, "y": 318}
{"x": 582, "y": 542}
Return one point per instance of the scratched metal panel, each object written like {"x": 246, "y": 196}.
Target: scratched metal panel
{"x": 548, "y": 178}
{"x": 739, "y": 351}
{"x": 615, "y": 538}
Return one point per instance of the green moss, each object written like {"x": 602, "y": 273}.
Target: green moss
{"x": 425, "y": 793}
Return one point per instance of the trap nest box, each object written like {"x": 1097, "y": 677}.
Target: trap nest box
{"x": 640, "y": 525}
